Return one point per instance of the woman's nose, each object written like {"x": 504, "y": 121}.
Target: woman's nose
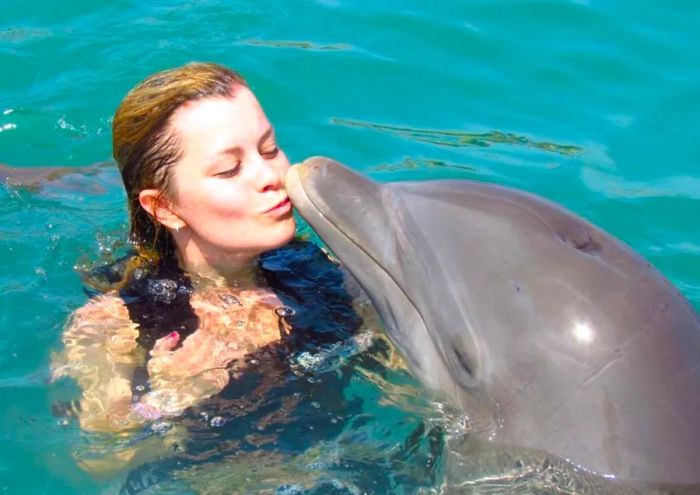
{"x": 268, "y": 174}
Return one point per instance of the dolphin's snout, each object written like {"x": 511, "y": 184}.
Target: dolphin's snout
{"x": 298, "y": 174}
{"x": 317, "y": 165}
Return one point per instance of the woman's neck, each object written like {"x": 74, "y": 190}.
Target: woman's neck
{"x": 232, "y": 271}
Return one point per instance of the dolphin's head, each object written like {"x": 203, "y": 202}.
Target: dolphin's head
{"x": 451, "y": 268}
{"x": 365, "y": 224}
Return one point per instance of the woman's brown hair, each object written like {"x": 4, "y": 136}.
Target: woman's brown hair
{"x": 145, "y": 146}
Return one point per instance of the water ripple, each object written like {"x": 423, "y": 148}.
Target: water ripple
{"x": 22, "y": 34}
{"x": 617, "y": 187}
{"x": 297, "y": 45}
{"x": 411, "y": 163}
{"x": 459, "y": 139}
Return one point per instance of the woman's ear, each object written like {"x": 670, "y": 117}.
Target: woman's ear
{"x": 160, "y": 209}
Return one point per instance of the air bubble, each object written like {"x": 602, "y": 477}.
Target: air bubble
{"x": 289, "y": 490}
{"x": 285, "y": 311}
{"x": 230, "y": 299}
{"x": 184, "y": 290}
{"x": 160, "y": 426}
{"x": 162, "y": 290}
{"x": 217, "y": 421}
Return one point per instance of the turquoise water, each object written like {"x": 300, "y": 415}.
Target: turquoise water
{"x": 595, "y": 104}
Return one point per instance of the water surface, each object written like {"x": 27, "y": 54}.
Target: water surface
{"x": 594, "y": 104}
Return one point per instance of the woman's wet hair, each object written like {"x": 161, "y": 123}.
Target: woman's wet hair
{"x": 145, "y": 146}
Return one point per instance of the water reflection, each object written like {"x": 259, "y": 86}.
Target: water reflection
{"x": 458, "y": 139}
{"x": 409, "y": 163}
{"x": 299, "y": 45}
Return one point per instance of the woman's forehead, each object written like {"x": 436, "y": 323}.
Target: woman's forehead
{"x": 222, "y": 121}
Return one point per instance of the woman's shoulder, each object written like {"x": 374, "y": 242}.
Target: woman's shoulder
{"x": 98, "y": 332}
{"x": 103, "y": 316}
{"x": 104, "y": 306}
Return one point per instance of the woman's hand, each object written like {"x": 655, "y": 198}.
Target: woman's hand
{"x": 200, "y": 352}
{"x": 195, "y": 371}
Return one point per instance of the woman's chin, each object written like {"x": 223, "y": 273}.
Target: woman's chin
{"x": 283, "y": 235}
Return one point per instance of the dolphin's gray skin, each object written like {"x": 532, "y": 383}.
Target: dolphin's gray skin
{"x": 550, "y": 333}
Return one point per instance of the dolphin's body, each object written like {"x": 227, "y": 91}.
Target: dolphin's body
{"x": 550, "y": 333}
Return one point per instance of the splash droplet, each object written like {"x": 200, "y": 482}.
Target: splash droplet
{"x": 230, "y": 300}
{"x": 162, "y": 290}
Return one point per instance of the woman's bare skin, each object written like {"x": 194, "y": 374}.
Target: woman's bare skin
{"x": 101, "y": 354}
{"x": 235, "y": 324}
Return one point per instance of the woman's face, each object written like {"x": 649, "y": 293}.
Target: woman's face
{"x": 228, "y": 188}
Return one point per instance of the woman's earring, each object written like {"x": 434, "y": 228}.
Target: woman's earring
{"x": 177, "y": 229}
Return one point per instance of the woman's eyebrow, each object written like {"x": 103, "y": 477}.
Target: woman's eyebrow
{"x": 232, "y": 150}
{"x": 237, "y": 151}
{"x": 266, "y": 135}
{"x": 213, "y": 161}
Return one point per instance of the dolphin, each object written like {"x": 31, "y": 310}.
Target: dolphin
{"x": 547, "y": 332}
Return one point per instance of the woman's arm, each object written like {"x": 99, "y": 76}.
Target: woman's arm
{"x": 100, "y": 353}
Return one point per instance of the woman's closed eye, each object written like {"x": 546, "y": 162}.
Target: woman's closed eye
{"x": 270, "y": 152}
{"x": 229, "y": 172}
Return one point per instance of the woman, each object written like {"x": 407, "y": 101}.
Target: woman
{"x": 203, "y": 177}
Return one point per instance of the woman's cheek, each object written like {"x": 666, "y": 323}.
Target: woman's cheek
{"x": 227, "y": 199}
